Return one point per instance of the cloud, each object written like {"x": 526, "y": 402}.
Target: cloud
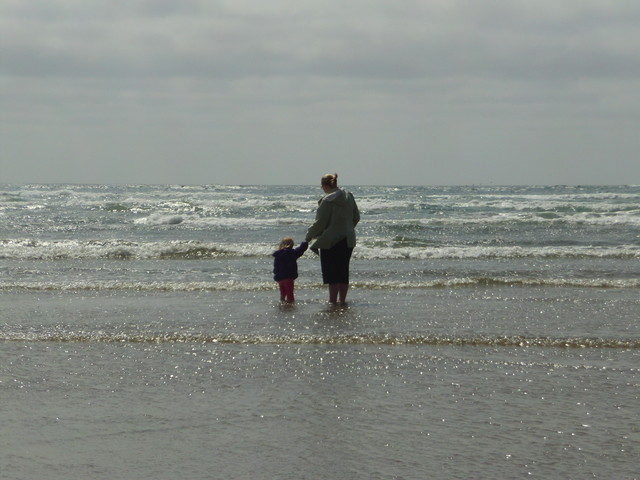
{"x": 353, "y": 39}
{"x": 468, "y": 82}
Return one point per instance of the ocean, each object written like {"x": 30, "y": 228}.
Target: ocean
{"x": 490, "y": 332}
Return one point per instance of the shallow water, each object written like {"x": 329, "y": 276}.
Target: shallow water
{"x": 221, "y": 385}
{"x": 491, "y": 332}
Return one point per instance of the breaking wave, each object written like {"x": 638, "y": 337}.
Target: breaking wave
{"x": 29, "y": 249}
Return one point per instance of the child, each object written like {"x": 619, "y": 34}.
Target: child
{"x": 285, "y": 267}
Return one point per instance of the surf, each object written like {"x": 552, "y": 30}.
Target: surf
{"x": 345, "y": 339}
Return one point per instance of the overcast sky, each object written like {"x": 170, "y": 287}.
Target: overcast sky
{"x": 391, "y": 92}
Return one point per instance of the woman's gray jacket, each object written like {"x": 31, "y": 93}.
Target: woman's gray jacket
{"x": 336, "y": 218}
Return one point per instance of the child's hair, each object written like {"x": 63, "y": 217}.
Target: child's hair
{"x": 286, "y": 242}
{"x": 330, "y": 179}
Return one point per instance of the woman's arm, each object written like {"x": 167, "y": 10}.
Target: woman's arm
{"x": 356, "y": 212}
{"x": 323, "y": 215}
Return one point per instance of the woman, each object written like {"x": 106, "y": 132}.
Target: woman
{"x": 334, "y": 235}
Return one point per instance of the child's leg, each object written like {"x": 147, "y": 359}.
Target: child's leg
{"x": 288, "y": 289}
{"x": 283, "y": 290}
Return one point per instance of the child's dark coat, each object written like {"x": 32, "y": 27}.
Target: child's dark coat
{"x": 285, "y": 263}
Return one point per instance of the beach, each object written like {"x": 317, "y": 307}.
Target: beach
{"x": 489, "y": 333}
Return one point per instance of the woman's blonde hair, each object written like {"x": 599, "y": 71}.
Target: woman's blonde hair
{"x": 286, "y": 242}
{"x": 330, "y": 179}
